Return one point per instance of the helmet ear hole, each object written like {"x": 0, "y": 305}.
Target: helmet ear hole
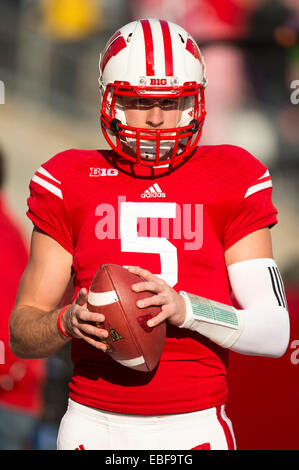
{"x": 195, "y": 127}
{"x": 114, "y": 125}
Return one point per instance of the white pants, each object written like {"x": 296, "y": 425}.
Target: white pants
{"x": 87, "y": 428}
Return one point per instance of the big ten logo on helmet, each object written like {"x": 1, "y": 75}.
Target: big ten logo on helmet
{"x": 295, "y": 354}
{"x": 295, "y": 94}
{"x": 2, "y": 353}
{"x": 158, "y": 81}
{"x": 186, "y": 225}
{"x": 103, "y": 172}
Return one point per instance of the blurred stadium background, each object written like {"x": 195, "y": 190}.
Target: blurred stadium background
{"x": 49, "y": 52}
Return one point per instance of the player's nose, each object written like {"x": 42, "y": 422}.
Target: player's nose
{"x": 155, "y": 117}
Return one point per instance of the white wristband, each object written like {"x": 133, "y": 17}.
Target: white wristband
{"x": 219, "y": 322}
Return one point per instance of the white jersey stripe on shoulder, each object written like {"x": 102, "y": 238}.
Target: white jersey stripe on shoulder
{"x": 46, "y": 173}
{"x": 264, "y": 175}
{"x": 45, "y": 184}
{"x": 258, "y": 187}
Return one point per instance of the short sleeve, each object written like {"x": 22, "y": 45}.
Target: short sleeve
{"x": 46, "y": 207}
{"x": 254, "y": 211}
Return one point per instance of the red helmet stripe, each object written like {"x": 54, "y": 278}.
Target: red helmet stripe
{"x": 167, "y": 48}
{"x": 193, "y": 48}
{"x": 115, "y": 35}
{"x": 113, "y": 49}
{"x": 149, "y": 47}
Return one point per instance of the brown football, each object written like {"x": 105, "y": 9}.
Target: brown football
{"x": 130, "y": 342}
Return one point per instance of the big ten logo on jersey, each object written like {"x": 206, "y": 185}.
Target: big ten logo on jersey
{"x": 150, "y": 224}
{"x": 103, "y": 172}
{"x": 295, "y": 354}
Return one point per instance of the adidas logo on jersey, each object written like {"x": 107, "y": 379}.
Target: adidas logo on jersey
{"x": 153, "y": 192}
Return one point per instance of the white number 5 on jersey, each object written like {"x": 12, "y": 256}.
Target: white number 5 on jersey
{"x": 131, "y": 242}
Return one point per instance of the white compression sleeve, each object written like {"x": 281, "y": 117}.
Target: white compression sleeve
{"x": 261, "y": 327}
{"x": 258, "y": 289}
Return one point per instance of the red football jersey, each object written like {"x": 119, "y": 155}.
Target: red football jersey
{"x": 177, "y": 226}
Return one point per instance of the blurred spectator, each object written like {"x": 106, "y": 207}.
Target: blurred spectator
{"x": 267, "y": 54}
{"x": 206, "y": 20}
{"x": 20, "y": 380}
{"x": 65, "y": 35}
{"x": 247, "y": 48}
{"x": 270, "y": 58}
{"x": 70, "y": 19}
{"x": 9, "y": 21}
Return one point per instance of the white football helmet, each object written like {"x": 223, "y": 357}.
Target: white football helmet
{"x": 155, "y": 60}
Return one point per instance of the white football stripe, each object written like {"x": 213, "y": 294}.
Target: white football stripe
{"x": 132, "y": 362}
{"x": 46, "y": 173}
{"x": 258, "y": 187}
{"x": 102, "y": 298}
{"x": 50, "y": 187}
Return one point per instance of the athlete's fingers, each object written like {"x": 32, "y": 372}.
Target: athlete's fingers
{"x": 152, "y": 286}
{"x": 147, "y": 275}
{"x": 94, "y": 342}
{"x": 91, "y": 331}
{"x": 155, "y": 321}
{"x": 84, "y": 315}
{"x": 82, "y": 297}
{"x": 153, "y": 300}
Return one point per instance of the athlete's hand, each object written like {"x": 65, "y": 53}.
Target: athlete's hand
{"x": 172, "y": 304}
{"x": 81, "y": 323}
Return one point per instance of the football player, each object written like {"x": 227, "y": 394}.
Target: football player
{"x": 192, "y": 220}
